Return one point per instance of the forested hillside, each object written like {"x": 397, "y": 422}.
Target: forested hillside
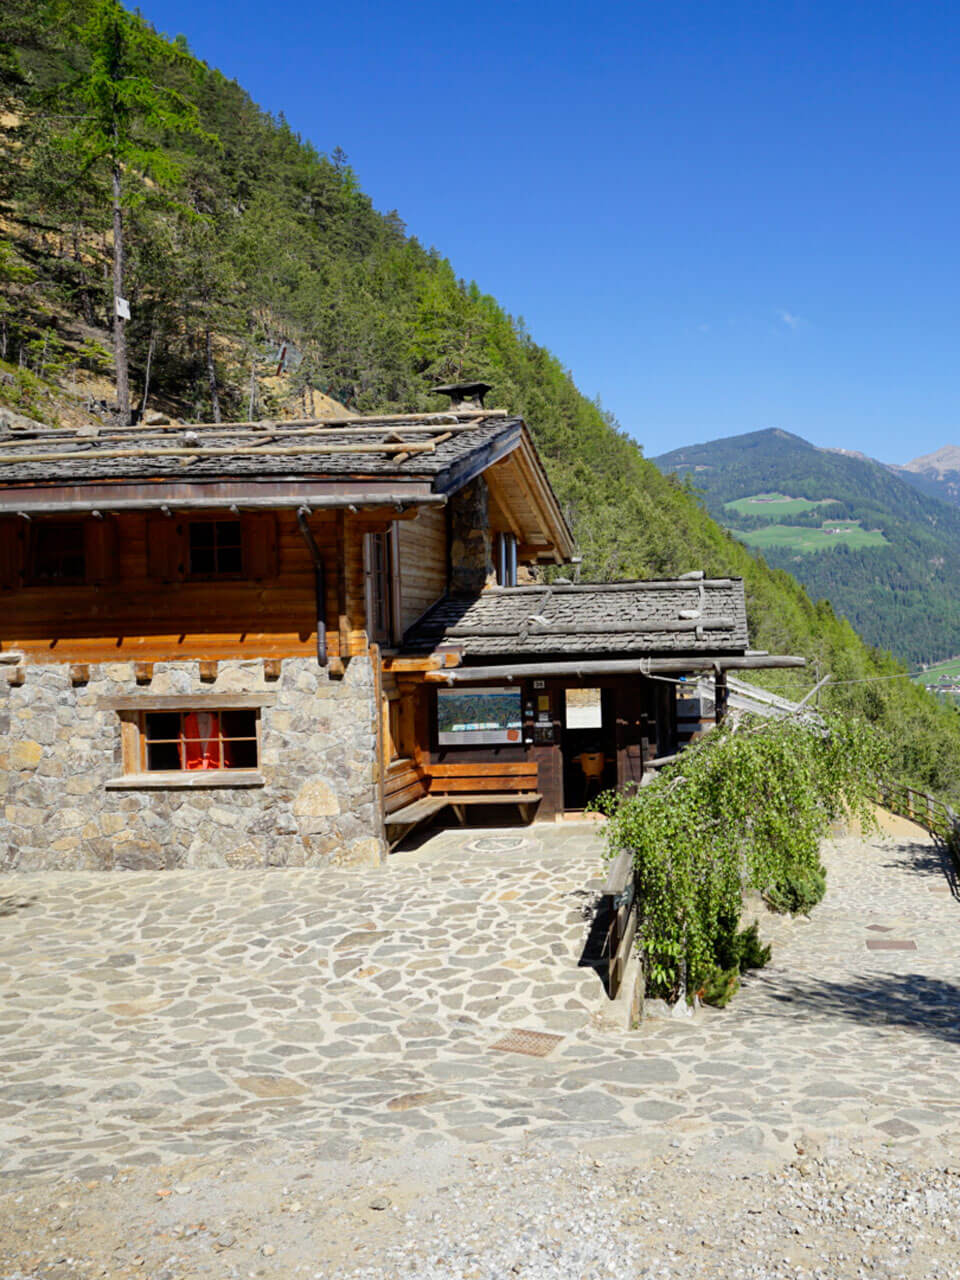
{"x": 239, "y": 238}
{"x": 897, "y": 578}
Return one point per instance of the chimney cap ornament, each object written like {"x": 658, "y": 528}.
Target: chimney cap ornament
{"x": 464, "y": 395}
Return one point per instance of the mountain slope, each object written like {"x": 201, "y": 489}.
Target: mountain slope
{"x": 936, "y": 474}
{"x": 266, "y": 242}
{"x": 885, "y": 554}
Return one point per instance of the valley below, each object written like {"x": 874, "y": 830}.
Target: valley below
{"x": 881, "y": 543}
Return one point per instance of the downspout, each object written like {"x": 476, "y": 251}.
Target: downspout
{"x": 319, "y": 583}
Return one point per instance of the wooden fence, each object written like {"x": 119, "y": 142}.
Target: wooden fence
{"x": 619, "y": 915}
{"x": 926, "y": 811}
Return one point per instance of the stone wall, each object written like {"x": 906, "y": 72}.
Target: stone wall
{"x": 471, "y": 542}
{"x": 60, "y": 747}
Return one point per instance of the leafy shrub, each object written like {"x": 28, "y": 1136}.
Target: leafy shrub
{"x": 745, "y": 809}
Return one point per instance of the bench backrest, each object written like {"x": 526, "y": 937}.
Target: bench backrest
{"x": 484, "y": 775}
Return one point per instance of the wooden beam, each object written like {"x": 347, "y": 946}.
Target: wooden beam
{"x": 553, "y": 517}
{"x": 218, "y": 494}
{"x": 613, "y": 666}
{"x": 640, "y": 584}
{"x": 607, "y": 629}
{"x": 500, "y": 499}
{"x": 544, "y": 506}
{"x": 188, "y": 702}
{"x": 343, "y": 621}
{"x": 465, "y": 469}
{"x": 429, "y": 662}
{"x": 438, "y": 431}
{"x": 265, "y": 451}
{"x": 459, "y": 419}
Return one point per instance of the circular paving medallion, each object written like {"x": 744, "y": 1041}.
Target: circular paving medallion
{"x": 499, "y": 844}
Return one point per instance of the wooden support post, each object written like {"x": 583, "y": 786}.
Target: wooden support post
{"x": 721, "y": 696}
{"x": 208, "y": 670}
{"x": 378, "y": 762}
{"x": 79, "y": 673}
{"x": 143, "y": 672}
{"x": 272, "y": 668}
{"x": 343, "y": 622}
{"x": 16, "y": 676}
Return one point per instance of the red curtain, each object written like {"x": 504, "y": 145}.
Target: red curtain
{"x": 200, "y": 740}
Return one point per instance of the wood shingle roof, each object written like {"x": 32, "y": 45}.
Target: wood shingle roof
{"x": 430, "y": 446}
{"x": 706, "y": 615}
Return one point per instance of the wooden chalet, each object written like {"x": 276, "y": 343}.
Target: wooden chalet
{"x": 286, "y": 643}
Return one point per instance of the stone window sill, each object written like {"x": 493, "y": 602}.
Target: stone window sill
{"x": 201, "y": 779}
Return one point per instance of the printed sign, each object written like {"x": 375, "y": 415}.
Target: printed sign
{"x": 478, "y": 717}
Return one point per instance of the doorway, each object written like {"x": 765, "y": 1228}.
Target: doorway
{"x": 588, "y": 744}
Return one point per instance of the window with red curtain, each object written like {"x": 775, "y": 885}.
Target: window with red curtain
{"x": 184, "y": 741}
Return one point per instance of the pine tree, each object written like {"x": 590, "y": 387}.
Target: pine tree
{"x": 127, "y": 116}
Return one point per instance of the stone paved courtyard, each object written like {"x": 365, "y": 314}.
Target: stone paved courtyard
{"x": 150, "y": 1017}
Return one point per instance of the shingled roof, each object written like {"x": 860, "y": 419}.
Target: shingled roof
{"x": 433, "y": 447}
{"x": 690, "y": 615}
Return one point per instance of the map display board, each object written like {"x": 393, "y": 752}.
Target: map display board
{"x": 479, "y": 717}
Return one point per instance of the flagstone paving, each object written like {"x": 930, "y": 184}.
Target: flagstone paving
{"x": 145, "y": 1017}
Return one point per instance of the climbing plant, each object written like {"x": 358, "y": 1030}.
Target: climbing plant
{"x": 745, "y": 809}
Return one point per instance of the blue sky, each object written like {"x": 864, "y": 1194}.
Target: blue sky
{"x": 721, "y": 217}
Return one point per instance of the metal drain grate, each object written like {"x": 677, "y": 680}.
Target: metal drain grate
{"x": 536, "y": 1044}
{"x": 892, "y": 944}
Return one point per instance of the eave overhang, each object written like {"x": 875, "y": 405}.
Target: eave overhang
{"x": 217, "y": 495}
{"x": 612, "y": 667}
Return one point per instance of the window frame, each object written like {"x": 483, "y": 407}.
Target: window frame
{"x": 136, "y": 743}
{"x": 216, "y": 574}
{"x": 382, "y": 608}
{"x": 506, "y": 559}
{"x": 32, "y": 578}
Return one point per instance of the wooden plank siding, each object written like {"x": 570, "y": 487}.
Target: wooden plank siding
{"x": 422, "y": 545}
{"x": 143, "y": 605}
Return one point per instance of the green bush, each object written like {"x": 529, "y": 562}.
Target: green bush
{"x": 798, "y": 891}
{"x": 742, "y": 810}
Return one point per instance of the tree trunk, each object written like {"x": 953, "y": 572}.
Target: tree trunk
{"x": 119, "y": 330}
{"x": 211, "y": 375}
{"x": 146, "y": 374}
{"x": 253, "y": 389}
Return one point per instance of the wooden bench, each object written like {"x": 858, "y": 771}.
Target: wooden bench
{"x": 486, "y": 782}
{"x": 457, "y": 786}
{"x": 526, "y": 802}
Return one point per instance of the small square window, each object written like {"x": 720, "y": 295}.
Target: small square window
{"x": 57, "y": 552}
{"x": 216, "y": 549}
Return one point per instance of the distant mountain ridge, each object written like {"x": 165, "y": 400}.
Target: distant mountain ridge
{"x": 937, "y": 473}
{"x": 876, "y": 541}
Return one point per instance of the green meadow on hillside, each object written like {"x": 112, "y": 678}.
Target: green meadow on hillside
{"x": 942, "y": 672}
{"x": 774, "y": 504}
{"x": 831, "y": 534}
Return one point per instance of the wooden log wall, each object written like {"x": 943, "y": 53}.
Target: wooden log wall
{"x": 139, "y": 602}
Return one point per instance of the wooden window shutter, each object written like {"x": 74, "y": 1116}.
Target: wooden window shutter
{"x": 165, "y": 548}
{"x": 100, "y": 550}
{"x": 261, "y": 558}
{"x": 12, "y": 553}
